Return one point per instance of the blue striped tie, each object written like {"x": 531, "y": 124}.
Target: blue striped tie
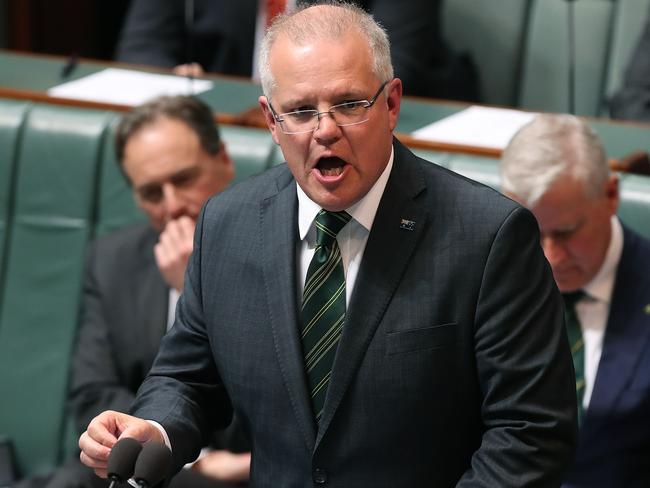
{"x": 323, "y": 306}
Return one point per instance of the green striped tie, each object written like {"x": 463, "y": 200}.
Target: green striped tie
{"x": 323, "y": 306}
{"x": 577, "y": 343}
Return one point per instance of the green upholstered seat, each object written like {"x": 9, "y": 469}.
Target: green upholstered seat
{"x": 492, "y": 32}
{"x": 12, "y": 114}
{"x": 634, "y": 209}
{"x": 54, "y": 204}
{"x": 252, "y": 150}
{"x": 115, "y": 205}
{"x": 628, "y": 21}
{"x": 544, "y": 82}
{"x": 478, "y": 168}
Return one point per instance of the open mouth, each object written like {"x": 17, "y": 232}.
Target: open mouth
{"x": 331, "y": 166}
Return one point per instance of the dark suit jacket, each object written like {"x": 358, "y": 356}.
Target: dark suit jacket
{"x": 223, "y": 37}
{"x": 614, "y": 443}
{"x": 453, "y": 368}
{"x": 123, "y": 319}
{"x": 632, "y": 100}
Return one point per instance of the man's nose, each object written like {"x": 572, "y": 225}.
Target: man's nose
{"x": 174, "y": 206}
{"x": 326, "y": 129}
{"x": 554, "y": 250}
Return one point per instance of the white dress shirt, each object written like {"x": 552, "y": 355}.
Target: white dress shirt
{"x": 593, "y": 309}
{"x": 351, "y": 239}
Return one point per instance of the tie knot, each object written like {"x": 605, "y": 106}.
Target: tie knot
{"x": 571, "y": 298}
{"x": 328, "y": 225}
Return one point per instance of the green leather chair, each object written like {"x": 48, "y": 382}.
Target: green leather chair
{"x": 493, "y": 33}
{"x": 12, "y": 115}
{"x": 629, "y": 19}
{"x": 544, "y": 82}
{"x": 55, "y": 186}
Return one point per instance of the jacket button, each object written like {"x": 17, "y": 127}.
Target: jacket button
{"x": 320, "y": 476}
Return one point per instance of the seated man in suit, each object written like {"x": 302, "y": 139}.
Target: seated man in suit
{"x": 374, "y": 320}
{"x": 224, "y": 35}
{"x": 556, "y": 166}
{"x": 171, "y": 154}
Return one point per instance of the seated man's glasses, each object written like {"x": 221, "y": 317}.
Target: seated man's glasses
{"x": 344, "y": 114}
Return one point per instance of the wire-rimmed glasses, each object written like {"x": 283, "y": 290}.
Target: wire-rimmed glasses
{"x": 344, "y": 114}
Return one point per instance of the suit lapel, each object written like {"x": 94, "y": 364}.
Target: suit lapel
{"x": 388, "y": 251}
{"x": 152, "y": 295}
{"x": 279, "y": 231}
{"x": 626, "y": 337}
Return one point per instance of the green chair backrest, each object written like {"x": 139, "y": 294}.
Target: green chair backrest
{"x": 493, "y": 33}
{"x": 634, "y": 209}
{"x": 12, "y": 115}
{"x": 629, "y": 19}
{"x": 115, "y": 205}
{"x": 252, "y": 150}
{"x": 54, "y": 205}
{"x": 544, "y": 83}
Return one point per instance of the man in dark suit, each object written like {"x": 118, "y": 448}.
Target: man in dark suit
{"x": 171, "y": 153}
{"x": 222, "y": 38}
{"x": 557, "y": 167}
{"x": 373, "y": 319}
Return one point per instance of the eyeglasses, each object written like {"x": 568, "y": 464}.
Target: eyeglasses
{"x": 344, "y": 114}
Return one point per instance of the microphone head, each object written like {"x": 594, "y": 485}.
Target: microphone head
{"x": 121, "y": 460}
{"x": 153, "y": 464}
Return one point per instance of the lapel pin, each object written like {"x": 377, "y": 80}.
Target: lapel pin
{"x": 647, "y": 309}
{"x": 407, "y": 224}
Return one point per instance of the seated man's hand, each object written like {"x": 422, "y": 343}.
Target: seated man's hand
{"x": 173, "y": 250}
{"x": 189, "y": 69}
{"x": 105, "y": 430}
{"x": 225, "y": 466}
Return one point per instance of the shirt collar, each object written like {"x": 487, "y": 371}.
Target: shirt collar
{"x": 363, "y": 211}
{"x": 602, "y": 284}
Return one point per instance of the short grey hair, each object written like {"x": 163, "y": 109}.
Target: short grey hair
{"x": 548, "y": 147}
{"x": 307, "y": 24}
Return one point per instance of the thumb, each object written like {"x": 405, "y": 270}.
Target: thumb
{"x": 142, "y": 431}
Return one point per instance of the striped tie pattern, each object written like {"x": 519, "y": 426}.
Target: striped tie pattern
{"x": 577, "y": 344}
{"x": 323, "y": 306}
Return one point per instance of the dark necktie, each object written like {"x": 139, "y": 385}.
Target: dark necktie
{"x": 323, "y": 306}
{"x": 577, "y": 343}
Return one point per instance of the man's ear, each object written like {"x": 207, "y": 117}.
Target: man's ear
{"x": 394, "y": 100}
{"x": 268, "y": 117}
{"x": 612, "y": 193}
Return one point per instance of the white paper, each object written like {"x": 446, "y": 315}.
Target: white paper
{"x": 476, "y": 126}
{"x": 126, "y": 87}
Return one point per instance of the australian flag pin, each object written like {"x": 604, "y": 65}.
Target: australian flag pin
{"x": 407, "y": 224}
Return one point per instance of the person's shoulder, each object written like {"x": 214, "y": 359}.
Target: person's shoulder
{"x": 254, "y": 189}
{"x": 124, "y": 241}
{"x": 443, "y": 184}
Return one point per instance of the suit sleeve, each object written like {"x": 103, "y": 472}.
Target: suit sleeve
{"x": 183, "y": 391}
{"x": 95, "y": 383}
{"x": 153, "y": 33}
{"x": 524, "y": 366}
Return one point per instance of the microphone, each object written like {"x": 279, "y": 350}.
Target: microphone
{"x": 153, "y": 465}
{"x": 122, "y": 459}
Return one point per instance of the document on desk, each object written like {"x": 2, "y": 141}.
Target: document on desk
{"x": 476, "y": 126}
{"x": 127, "y": 87}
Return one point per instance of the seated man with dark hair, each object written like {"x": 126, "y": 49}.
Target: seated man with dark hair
{"x": 171, "y": 153}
